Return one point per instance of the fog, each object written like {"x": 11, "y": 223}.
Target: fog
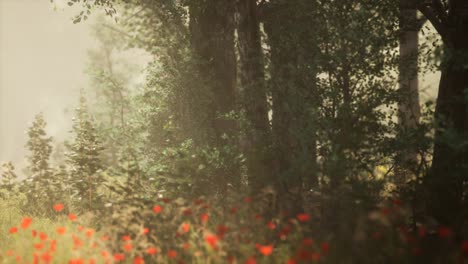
{"x": 43, "y": 55}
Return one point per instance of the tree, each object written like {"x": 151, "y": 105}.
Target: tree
{"x": 8, "y": 178}
{"x": 40, "y": 148}
{"x": 84, "y": 158}
{"x": 254, "y": 96}
{"x": 446, "y": 182}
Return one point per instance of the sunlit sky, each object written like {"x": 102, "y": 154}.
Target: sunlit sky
{"x": 42, "y": 58}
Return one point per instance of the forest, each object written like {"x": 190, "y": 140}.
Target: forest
{"x": 263, "y": 131}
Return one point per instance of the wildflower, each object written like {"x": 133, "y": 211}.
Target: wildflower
{"x": 13, "y": 230}
{"x": 185, "y": 227}
{"x": 187, "y": 212}
{"x": 258, "y": 217}
{"x": 186, "y": 245}
{"x": 211, "y": 240}
{"x": 157, "y": 209}
{"x": 315, "y": 256}
{"x": 422, "y": 231}
{"x": 444, "y": 232}
{"x": 89, "y": 233}
{"x": 307, "y": 242}
{"x": 46, "y": 257}
{"x": 172, "y": 254}
{"x": 92, "y": 261}
{"x": 128, "y": 247}
{"x": 126, "y": 238}
{"x": 204, "y": 218}
{"x": 61, "y": 230}
{"x": 76, "y": 261}
{"x": 325, "y": 247}
{"x": 248, "y": 199}
{"x": 10, "y": 253}
{"x": 234, "y": 210}
{"x": 105, "y": 238}
{"x": 271, "y": 225}
{"x": 464, "y": 246}
{"x": 72, "y": 217}
{"x": 26, "y": 222}
{"x": 42, "y": 236}
{"x": 38, "y": 245}
{"x": 222, "y": 230}
{"x": 151, "y": 250}
{"x": 33, "y": 233}
{"x": 303, "y": 217}
{"x": 145, "y": 231}
{"x": 291, "y": 261}
{"x": 251, "y": 260}
{"x": 58, "y": 207}
{"x": 265, "y": 250}
{"x": 138, "y": 260}
{"x": 119, "y": 257}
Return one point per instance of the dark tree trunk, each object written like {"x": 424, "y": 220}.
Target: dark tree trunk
{"x": 289, "y": 25}
{"x": 447, "y": 179}
{"x": 252, "y": 77}
{"x": 212, "y": 41}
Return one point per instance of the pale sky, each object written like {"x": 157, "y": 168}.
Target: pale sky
{"x": 42, "y": 58}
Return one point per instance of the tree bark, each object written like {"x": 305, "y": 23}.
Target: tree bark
{"x": 446, "y": 182}
{"x": 252, "y": 78}
{"x": 409, "y": 108}
{"x": 212, "y": 40}
{"x": 289, "y": 25}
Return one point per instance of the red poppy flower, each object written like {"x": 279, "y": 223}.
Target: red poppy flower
{"x": 185, "y": 227}
{"x": 58, "y": 207}
{"x": 204, "y": 218}
{"x": 251, "y": 260}
{"x": 13, "y": 230}
{"x": 186, "y": 245}
{"x": 138, "y": 260}
{"x": 53, "y": 245}
{"x": 325, "y": 247}
{"x": 128, "y": 247}
{"x": 303, "y": 217}
{"x": 187, "y": 212}
{"x": 265, "y": 250}
{"x": 72, "y": 217}
{"x": 42, "y": 236}
{"x": 444, "y": 232}
{"x": 464, "y": 246}
{"x": 61, "y": 230}
{"x": 198, "y": 202}
{"x": 157, "y": 209}
{"x": 422, "y": 231}
{"x": 307, "y": 242}
{"x": 271, "y": 225}
{"x": 26, "y": 222}
{"x": 105, "y": 238}
{"x": 151, "y": 250}
{"x": 315, "y": 256}
{"x": 46, "y": 257}
{"x": 234, "y": 210}
{"x": 92, "y": 261}
{"x": 248, "y": 199}
{"x": 119, "y": 257}
{"x": 89, "y": 233}
{"x": 291, "y": 261}
{"x": 221, "y": 231}
{"x": 38, "y": 245}
{"x": 172, "y": 254}
{"x": 10, "y": 253}
{"x": 126, "y": 238}
{"x": 33, "y": 233}
{"x": 76, "y": 261}
{"x": 145, "y": 231}
{"x": 212, "y": 240}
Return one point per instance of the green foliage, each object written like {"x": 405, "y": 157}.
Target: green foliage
{"x": 84, "y": 159}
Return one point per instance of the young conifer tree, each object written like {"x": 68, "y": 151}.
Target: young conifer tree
{"x": 8, "y": 179}
{"x": 37, "y": 185}
{"x": 84, "y": 158}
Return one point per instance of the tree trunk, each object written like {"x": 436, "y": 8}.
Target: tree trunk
{"x": 212, "y": 40}
{"x": 409, "y": 109}
{"x": 447, "y": 180}
{"x": 293, "y": 85}
{"x": 252, "y": 77}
